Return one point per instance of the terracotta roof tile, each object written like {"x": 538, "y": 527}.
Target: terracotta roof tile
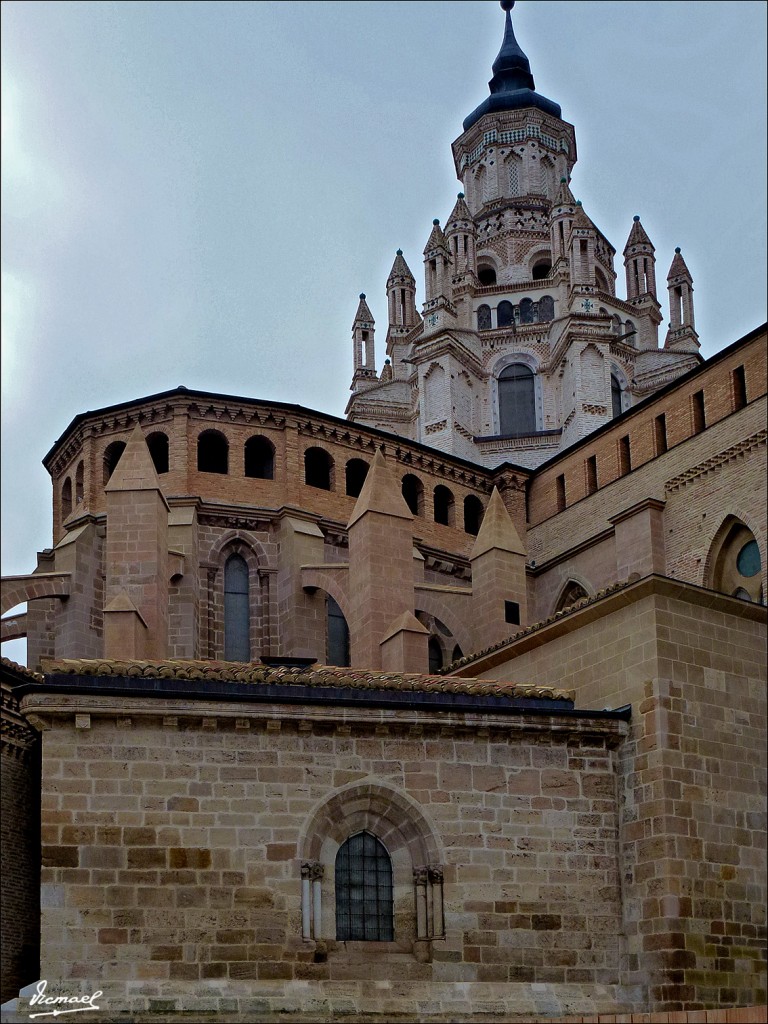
{"x": 314, "y": 676}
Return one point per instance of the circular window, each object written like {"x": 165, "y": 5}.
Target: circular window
{"x": 748, "y": 559}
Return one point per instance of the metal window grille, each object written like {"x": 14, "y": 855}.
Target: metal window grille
{"x": 237, "y": 645}
{"x": 363, "y": 890}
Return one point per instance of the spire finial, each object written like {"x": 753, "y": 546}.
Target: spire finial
{"x": 512, "y": 86}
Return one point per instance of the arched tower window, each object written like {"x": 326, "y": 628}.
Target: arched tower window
{"x": 364, "y": 891}
{"x": 259, "y": 458}
{"x": 541, "y": 269}
{"x": 413, "y": 492}
{"x": 112, "y": 455}
{"x": 517, "y": 401}
{"x": 526, "y": 312}
{"x": 486, "y": 274}
{"x": 443, "y": 505}
{"x": 157, "y": 443}
{"x": 505, "y": 314}
{"x": 337, "y": 634}
{"x": 318, "y": 468}
{"x": 546, "y": 309}
{"x": 79, "y": 483}
{"x": 66, "y": 498}
{"x": 473, "y": 514}
{"x": 237, "y": 618}
{"x": 212, "y": 452}
{"x": 484, "y": 318}
{"x": 615, "y": 396}
{"x": 355, "y": 473}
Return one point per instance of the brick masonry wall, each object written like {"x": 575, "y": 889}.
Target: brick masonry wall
{"x": 717, "y": 469}
{"x": 717, "y": 384}
{"x": 172, "y": 845}
{"x": 290, "y": 437}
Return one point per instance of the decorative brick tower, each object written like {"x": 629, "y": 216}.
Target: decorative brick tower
{"x": 524, "y": 335}
{"x": 681, "y": 336}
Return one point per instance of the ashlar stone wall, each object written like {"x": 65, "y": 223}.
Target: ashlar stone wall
{"x": 174, "y": 837}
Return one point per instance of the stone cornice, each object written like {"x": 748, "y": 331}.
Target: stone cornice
{"x": 715, "y": 461}
{"x": 212, "y": 714}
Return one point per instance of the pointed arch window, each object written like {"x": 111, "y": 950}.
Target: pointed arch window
{"x": 736, "y": 563}
{"x": 237, "y": 644}
{"x": 571, "y": 593}
{"x": 615, "y": 396}
{"x": 435, "y": 655}
{"x": 337, "y": 634}
{"x": 364, "y": 891}
{"x": 517, "y": 400}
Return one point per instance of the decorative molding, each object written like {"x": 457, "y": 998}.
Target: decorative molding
{"x": 434, "y": 428}
{"x": 715, "y": 461}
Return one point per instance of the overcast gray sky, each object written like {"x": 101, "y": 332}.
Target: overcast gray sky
{"x": 195, "y": 193}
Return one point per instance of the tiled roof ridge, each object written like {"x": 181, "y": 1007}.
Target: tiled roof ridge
{"x": 585, "y": 602}
{"x": 314, "y": 676}
{"x": 21, "y": 670}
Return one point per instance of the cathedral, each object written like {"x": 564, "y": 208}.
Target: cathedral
{"x": 452, "y": 707}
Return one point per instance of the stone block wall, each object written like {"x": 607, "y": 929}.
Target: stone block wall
{"x": 173, "y": 844}
{"x": 692, "y": 664}
{"x": 694, "y": 839}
